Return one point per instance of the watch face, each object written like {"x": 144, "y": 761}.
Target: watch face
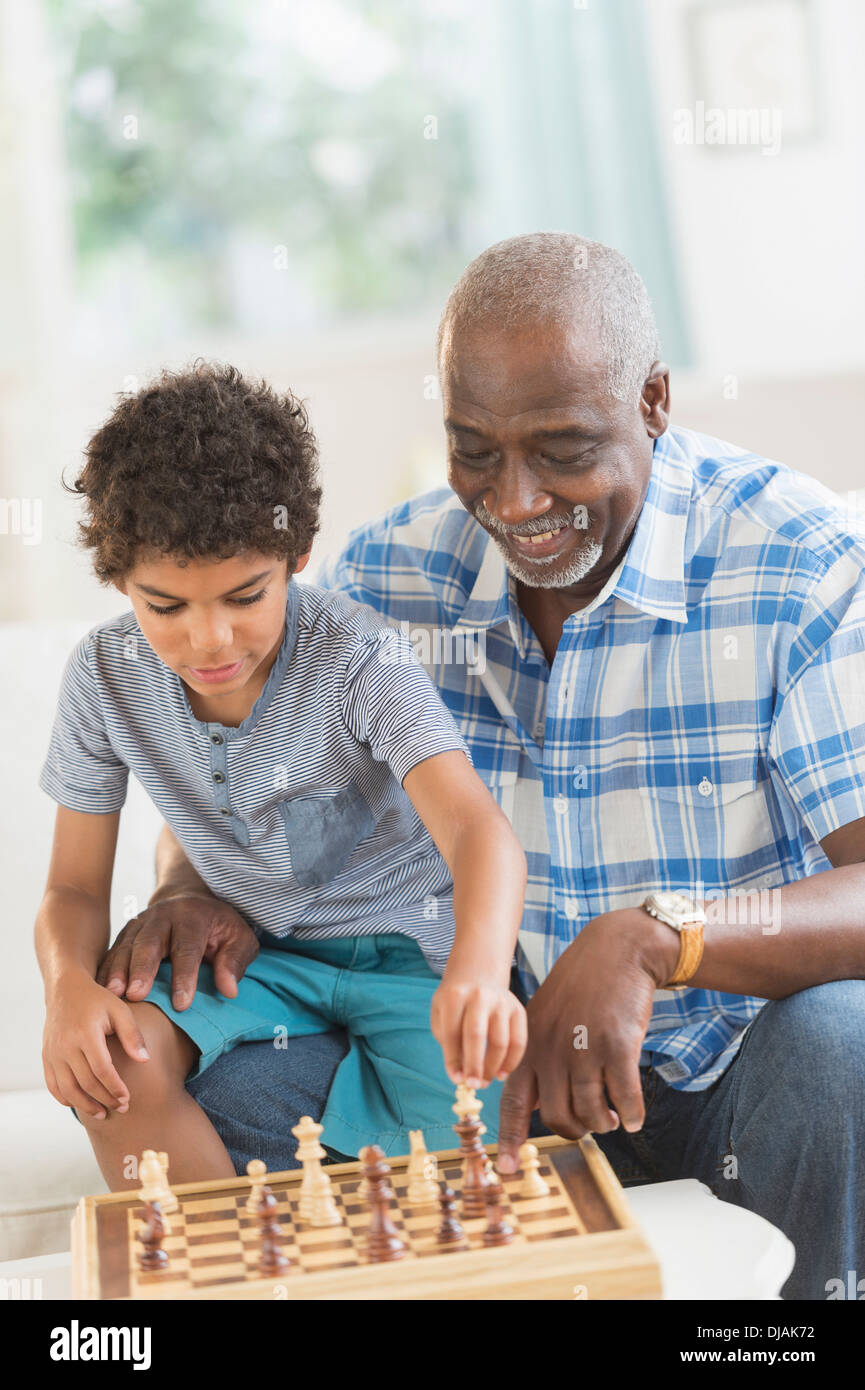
{"x": 674, "y": 903}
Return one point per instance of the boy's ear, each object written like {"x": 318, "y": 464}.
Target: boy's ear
{"x": 120, "y": 586}
{"x": 302, "y": 562}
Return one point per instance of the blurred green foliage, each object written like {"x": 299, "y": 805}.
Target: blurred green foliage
{"x": 196, "y": 126}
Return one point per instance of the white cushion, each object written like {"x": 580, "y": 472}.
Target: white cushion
{"x": 46, "y": 1165}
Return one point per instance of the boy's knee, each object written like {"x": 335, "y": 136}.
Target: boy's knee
{"x": 171, "y": 1051}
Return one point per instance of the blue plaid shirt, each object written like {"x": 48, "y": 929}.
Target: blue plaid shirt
{"x": 702, "y": 726}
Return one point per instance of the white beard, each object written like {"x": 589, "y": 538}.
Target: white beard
{"x": 539, "y": 574}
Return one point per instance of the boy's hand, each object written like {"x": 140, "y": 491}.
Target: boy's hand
{"x": 481, "y": 1027}
{"x": 75, "y": 1056}
{"x": 185, "y": 930}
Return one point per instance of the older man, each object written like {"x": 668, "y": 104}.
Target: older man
{"x": 653, "y": 642}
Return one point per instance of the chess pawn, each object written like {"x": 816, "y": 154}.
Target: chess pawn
{"x": 450, "y": 1232}
{"x": 271, "y": 1259}
{"x": 257, "y": 1171}
{"x": 322, "y": 1207}
{"x": 497, "y": 1231}
{"x": 532, "y": 1185}
{"x": 151, "y": 1237}
{"x": 153, "y": 1185}
{"x": 422, "y": 1171}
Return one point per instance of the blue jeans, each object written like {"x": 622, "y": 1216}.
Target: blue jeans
{"x": 781, "y": 1133}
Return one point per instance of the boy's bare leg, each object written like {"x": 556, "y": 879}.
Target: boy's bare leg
{"x": 162, "y": 1114}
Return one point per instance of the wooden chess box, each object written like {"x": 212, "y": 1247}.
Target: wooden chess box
{"x": 579, "y": 1241}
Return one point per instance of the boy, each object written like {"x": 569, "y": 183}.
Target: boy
{"x": 305, "y": 762}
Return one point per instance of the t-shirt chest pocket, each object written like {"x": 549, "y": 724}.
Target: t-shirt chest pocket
{"x": 323, "y": 831}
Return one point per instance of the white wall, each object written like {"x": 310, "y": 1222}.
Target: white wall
{"x": 770, "y": 246}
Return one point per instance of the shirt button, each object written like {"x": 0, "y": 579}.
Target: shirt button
{"x": 224, "y": 811}
{"x": 219, "y": 776}
{"x": 705, "y": 788}
{"x": 560, "y": 806}
{"x": 539, "y": 731}
{"x": 216, "y": 738}
{"x": 571, "y": 911}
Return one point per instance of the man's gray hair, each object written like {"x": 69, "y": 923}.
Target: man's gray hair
{"x": 557, "y": 277}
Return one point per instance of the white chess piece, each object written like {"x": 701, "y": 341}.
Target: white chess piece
{"x": 315, "y": 1184}
{"x": 170, "y": 1203}
{"x": 532, "y": 1185}
{"x": 257, "y": 1171}
{"x": 154, "y": 1188}
{"x": 422, "y": 1171}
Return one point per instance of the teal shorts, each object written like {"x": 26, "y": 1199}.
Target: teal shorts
{"x": 379, "y": 989}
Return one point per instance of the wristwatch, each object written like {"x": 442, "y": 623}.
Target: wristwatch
{"x": 682, "y": 914}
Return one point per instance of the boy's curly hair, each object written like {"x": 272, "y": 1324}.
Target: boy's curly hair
{"x": 201, "y": 464}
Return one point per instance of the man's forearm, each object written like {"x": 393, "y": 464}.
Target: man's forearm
{"x": 782, "y": 940}
{"x": 175, "y": 876}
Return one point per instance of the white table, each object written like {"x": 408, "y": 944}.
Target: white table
{"x": 707, "y": 1249}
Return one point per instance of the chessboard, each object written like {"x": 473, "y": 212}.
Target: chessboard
{"x": 578, "y": 1241}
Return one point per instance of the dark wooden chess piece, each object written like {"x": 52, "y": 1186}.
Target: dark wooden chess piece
{"x": 470, "y": 1130}
{"x": 450, "y": 1232}
{"x": 271, "y": 1259}
{"x": 152, "y": 1256}
{"x": 383, "y": 1241}
{"x": 497, "y": 1231}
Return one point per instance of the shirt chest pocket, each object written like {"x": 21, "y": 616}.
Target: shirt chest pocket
{"x": 719, "y": 820}
{"x": 323, "y": 830}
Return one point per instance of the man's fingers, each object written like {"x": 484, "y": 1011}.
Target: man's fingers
{"x": 626, "y": 1092}
{"x": 149, "y": 949}
{"x": 519, "y": 1098}
{"x": 113, "y": 972}
{"x": 230, "y": 961}
{"x": 589, "y": 1107}
{"x": 186, "y": 958}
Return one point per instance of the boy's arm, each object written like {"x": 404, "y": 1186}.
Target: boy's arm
{"x": 72, "y": 931}
{"x": 475, "y": 1017}
{"x": 183, "y": 923}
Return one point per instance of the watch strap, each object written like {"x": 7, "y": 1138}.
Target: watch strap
{"x": 690, "y": 955}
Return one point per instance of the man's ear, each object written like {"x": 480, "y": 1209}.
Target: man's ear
{"x": 655, "y": 399}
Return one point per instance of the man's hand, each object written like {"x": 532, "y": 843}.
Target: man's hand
{"x": 587, "y": 1023}
{"x": 185, "y": 930}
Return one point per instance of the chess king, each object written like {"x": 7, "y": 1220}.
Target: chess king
{"x": 307, "y": 765}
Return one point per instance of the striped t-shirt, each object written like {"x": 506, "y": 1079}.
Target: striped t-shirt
{"x": 297, "y": 816}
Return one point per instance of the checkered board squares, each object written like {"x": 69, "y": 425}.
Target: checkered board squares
{"x": 214, "y": 1240}
{"x": 580, "y": 1235}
